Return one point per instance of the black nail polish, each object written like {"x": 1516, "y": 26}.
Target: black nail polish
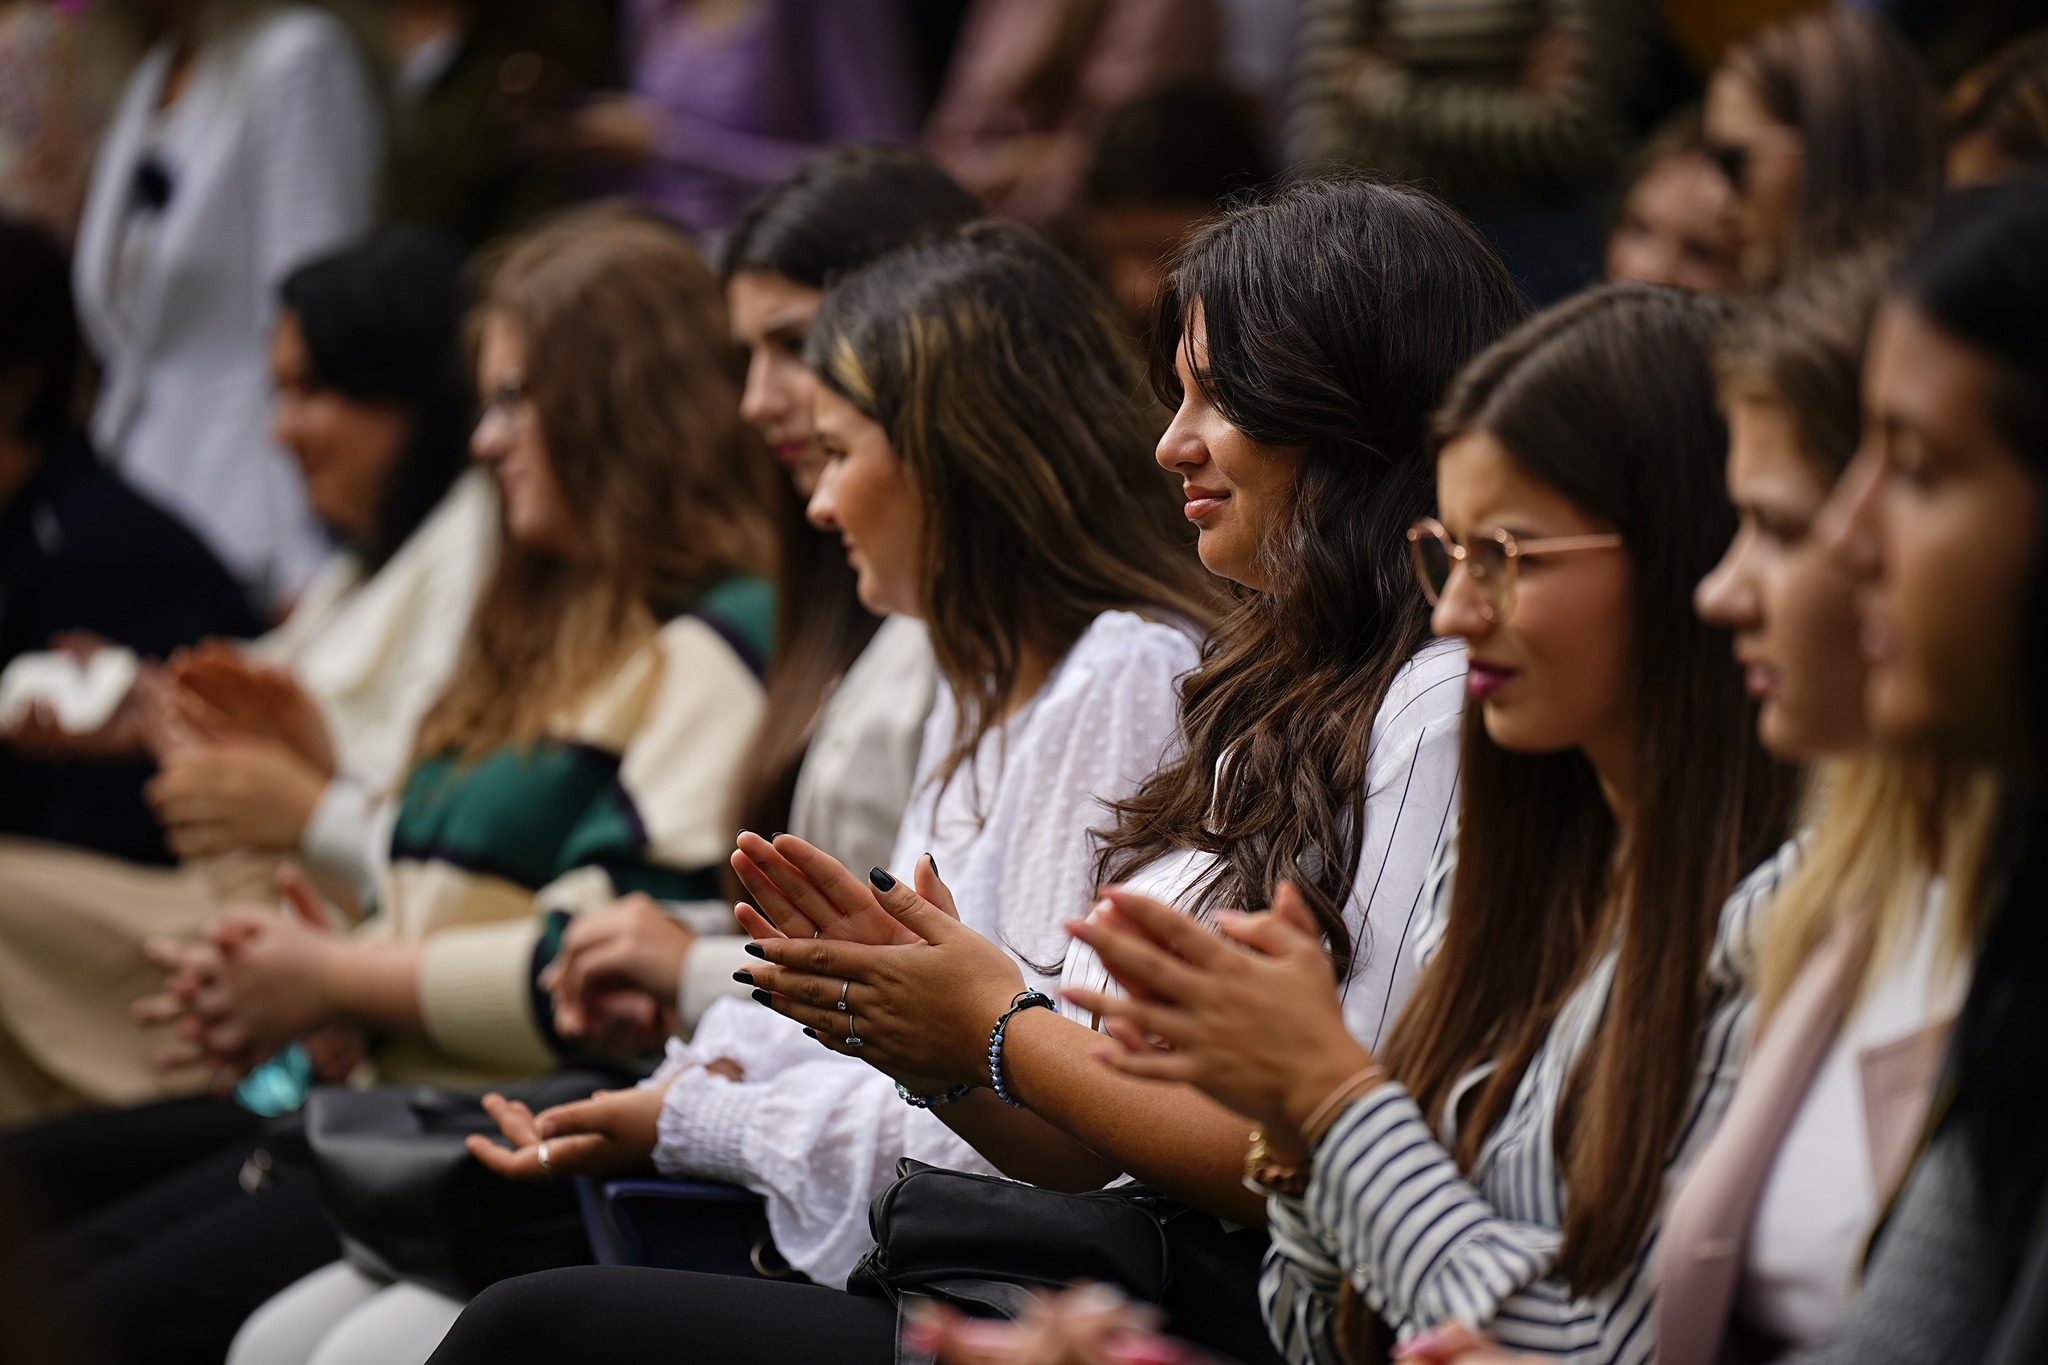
{"x": 757, "y": 950}
{"x": 882, "y": 880}
{"x": 763, "y": 998}
{"x": 776, "y": 835}
{"x": 933, "y": 859}
{"x": 744, "y": 978}
{"x": 810, "y": 1033}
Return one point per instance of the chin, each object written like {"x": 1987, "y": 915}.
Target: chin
{"x": 1524, "y": 733}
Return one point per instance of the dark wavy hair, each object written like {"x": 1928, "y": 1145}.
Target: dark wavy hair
{"x": 1610, "y": 399}
{"x": 1337, "y": 312}
{"x": 841, "y": 210}
{"x": 1019, "y": 414}
{"x": 382, "y": 322}
{"x": 1982, "y": 277}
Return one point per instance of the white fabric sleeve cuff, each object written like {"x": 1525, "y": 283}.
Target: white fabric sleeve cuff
{"x": 338, "y": 834}
{"x": 707, "y": 976}
{"x": 702, "y": 1132}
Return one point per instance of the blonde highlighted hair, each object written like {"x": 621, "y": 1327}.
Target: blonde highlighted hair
{"x": 1882, "y": 830}
{"x": 634, "y": 389}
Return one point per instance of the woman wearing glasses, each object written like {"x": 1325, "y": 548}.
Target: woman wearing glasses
{"x": 1502, "y": 1159}
{"x": 1825, "y": 128}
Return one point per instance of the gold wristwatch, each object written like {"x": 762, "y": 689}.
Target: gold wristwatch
{"x": 1264, "y": 1175}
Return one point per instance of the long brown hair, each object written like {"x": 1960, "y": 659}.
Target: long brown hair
{"x": 1019, "y": 413}
{"x": 634, "y": 391}
{"x": 1337, "y": 313}
{"x": 1864, "y": 106}
{"x": 1609, "y": 399}
{"x": 842, "y": 209}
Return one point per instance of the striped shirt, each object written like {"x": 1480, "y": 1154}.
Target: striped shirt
{"x": 1425, "y": 1243}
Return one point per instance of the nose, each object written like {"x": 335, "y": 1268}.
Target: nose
{"x": 1727, "y": 597}
{"x": 1181, "y": 450}
{"x": 760, "y": 401}
{"x": 822, "y": 511}
{"x": 487, "y": 442}
{"x": 1847, "y": 526}
{"x": 1462, "y": 610}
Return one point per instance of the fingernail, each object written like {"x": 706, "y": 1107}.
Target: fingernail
{"x": 933, "y": 859}
{"x": 882, "y": 880}
{"x": 763, "y": 998}
{"x": 810, "y": 1033}
{"x": 744, "y": 978}
{"x": 748, "y": 831}
{"x": 776, "y": 835}
{"x": 758, "y": 951}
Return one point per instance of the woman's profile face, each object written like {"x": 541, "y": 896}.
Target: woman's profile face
{"x": 1939, "y": 519}
{"x": 346, "y": 449}
{"x": 1237, "y": 489}
{"x": 1765, "y": 164}
{"x": 864, "y": 493}
{"x": 1790, "y": 604}
{"x": 1553, "y": 669}
{"x": 509, "y": 442}
{"x": 1677, "y": 227}
{"x": 772, "y": 316}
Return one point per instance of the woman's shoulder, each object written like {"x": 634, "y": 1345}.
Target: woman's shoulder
{"x": 1119, "y": 643}
{"x": 1427, "y": 694}
{"x": 738, "y": 611}
{"x": 290, "y": 35}
{"x": 1745, "y": 913}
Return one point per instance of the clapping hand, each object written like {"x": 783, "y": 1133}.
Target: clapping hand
{"x": 611, "y": 1132}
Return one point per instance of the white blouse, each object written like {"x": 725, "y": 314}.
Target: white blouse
{"x": 819, "y": 1134}
{"x": 1829, "y": 1181}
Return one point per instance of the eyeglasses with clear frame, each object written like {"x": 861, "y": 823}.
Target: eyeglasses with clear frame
{"x": 1492, "y": 560}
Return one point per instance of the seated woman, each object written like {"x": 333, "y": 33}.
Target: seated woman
{"x": 588, "y": 745}
{"x": 1501, "y": 1159}
{"x": 848, "y": 693}
{"x": 278, "y": 749}
{"x": 1300, "y": 437}
{"x": 1865, "y": 956}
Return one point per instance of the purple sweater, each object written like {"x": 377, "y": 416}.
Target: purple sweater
{"x": 740, "y": 108}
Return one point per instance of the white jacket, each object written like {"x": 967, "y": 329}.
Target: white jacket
{"x": 272, "y": 151}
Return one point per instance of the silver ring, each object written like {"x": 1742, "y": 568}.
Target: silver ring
{"x": 844, "y": 987}
{"x": 853, "y": 1039}
{"x": 546, "y": 1168}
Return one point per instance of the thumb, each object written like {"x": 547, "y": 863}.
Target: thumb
{"x": 932, "y": 889}
{"x": 1291, "y": 907}
{"x": 913, "y": 911}
{"x": 301, "y": 901}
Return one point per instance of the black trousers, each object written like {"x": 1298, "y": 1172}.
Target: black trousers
{"x": 167, "y": 1270}
{"x": 617, "y": 1313}
{"x": 630, "y": 1314}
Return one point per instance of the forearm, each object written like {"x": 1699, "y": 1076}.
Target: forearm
{"x": 376, "y": 984}
{"x": 1171, "y": 1137}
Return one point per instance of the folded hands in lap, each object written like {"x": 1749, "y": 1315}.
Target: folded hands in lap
{"x": 259, "y": 980}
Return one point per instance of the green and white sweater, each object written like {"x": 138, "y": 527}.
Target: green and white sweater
{"x": 630, "y": 790}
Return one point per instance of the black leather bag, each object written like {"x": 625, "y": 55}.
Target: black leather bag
{"x": 411, "y": 1203}
{"x": 984, "y": 1244}
{"x": 981, "y": 1240}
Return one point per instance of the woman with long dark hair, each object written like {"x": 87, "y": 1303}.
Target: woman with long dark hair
{"x": 1501, "y": 1160}
{"x": 985, "y": 430}
{"x": 1317, "y": 741}
{"x": 848, "y": 691}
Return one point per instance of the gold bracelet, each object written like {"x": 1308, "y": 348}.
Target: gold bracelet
{"x": 1361, "y": 1080}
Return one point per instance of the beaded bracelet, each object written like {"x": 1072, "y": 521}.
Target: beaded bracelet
{"x": 1025, "y": 1000}
{"x": 917, "y": 1101}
